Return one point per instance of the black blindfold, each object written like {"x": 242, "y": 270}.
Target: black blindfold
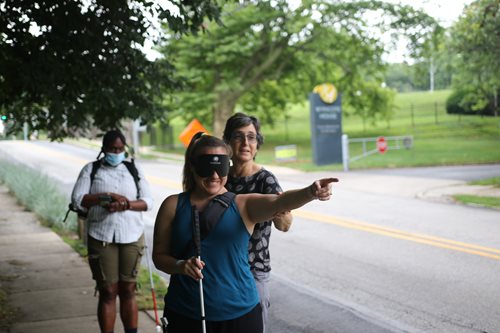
{"x": 205, "y": 165}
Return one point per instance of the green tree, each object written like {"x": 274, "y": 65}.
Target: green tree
{"x": 267, "y": 54}
{"x": 399, "y": 76}
{"x": 432, "y": 69}
{"x": 66, "y": 65}
{"x": 475, "y": 38}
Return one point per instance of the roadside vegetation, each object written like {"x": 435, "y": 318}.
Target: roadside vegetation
{"x": 38, "y": 194}
{"x": 439, "y": 138}
{"x": 474, "y": 200}
{"x": 495, "y": 181}
{"x": 486, "y": 201}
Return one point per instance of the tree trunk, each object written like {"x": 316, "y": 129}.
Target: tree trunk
{"x": 223, "y": 109}
{"x": 432, "y": 71}
{"x": 495, "y": 102}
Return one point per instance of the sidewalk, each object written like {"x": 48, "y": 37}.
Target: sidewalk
{"x": 49, "y": 283}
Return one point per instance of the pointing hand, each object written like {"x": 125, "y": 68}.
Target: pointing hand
{"x": 322, "y": 189}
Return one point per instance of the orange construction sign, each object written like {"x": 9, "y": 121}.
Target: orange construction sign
{"x": 194, "y": 127}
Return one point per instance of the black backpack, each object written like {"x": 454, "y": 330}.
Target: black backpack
{"x": 95, "y": 166}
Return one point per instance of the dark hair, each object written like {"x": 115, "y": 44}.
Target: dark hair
{"x": 110, "y": 137}
{"x": 199, "y": 141}
{"x": 239, "y": 120}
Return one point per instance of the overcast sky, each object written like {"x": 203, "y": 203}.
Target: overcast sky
{"x": 445, "y": 11}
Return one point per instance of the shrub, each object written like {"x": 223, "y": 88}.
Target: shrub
{"x": 36, "y": 192}
{"x": 463, "y": 101}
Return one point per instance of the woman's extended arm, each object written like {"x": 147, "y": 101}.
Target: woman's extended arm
{"x": 162, "y": 243}
{"x": 255, "y": 208}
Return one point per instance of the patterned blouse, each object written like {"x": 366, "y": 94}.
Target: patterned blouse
{"x": 263, "y": 181}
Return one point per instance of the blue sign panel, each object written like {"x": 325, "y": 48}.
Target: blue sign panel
{"x": 326, "y": 130}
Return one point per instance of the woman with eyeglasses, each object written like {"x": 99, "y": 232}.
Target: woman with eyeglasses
{"x": 231, "y": 302}
{"x": 242, "y": 133}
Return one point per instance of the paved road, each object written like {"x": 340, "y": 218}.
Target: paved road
{"x": 385, "y": 249}
{"x": 458, "y": 172}
{"x": 377, "y": 255}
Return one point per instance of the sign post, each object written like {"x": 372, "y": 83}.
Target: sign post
{"x": 381, "y": 144}
{"x": 136, "y": 128}
{"x": 326, "y": 124}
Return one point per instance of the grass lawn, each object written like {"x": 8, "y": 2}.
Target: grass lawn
{"x": 439, "y": 138}
{"x": 495, "y": 181}
{"x": 492, "y": 202}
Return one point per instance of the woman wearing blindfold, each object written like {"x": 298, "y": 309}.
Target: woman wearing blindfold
{"x": 230, "y": 298}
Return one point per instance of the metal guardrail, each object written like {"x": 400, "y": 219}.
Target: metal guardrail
{"x": 393, "y": 142}
{"x": 398, "y": 142}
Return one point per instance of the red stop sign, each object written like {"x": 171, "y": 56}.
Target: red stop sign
{"x": 381, "y": 144}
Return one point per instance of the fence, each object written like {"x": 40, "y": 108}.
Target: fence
{"x": 427, "y": 113}
{"x": 369, "y": 146}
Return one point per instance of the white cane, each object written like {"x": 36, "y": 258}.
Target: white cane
{"x": 197, "y": 244}
{"x": 158, "y": 326}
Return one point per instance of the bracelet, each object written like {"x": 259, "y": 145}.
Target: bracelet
{"x": 128, "y": 204}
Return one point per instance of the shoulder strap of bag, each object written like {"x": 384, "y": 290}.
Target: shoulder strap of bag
{"x": 130, "y": 167}
{"x": 209, "y": 217}
{"x": 212, "y": 213}
{"x": 135, "y": 174}
{"x": 95, "y": 166}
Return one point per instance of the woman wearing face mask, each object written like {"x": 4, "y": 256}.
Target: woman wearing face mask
{"x": 231, "y": 302}
{"x": 114, "y": 201}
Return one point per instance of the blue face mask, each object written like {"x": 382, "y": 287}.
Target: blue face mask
{"x": 114, "y": 159}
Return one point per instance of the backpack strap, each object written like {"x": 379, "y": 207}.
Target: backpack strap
{"x": 208, "y": 218}
{"x": 95, "y": 166}
{"x": 135, "y": 174}
{"x": 130, "y": 167}
{"x": 212, "y": 213}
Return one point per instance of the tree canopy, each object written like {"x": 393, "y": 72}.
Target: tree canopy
{"x": 475, "y": 39}
{"x": 66, "y": 65}
{"x": 267, "y": 54}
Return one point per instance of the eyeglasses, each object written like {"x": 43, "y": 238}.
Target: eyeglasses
{"x": 240, "y": 137}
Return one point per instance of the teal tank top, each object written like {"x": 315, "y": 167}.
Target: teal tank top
{"x": 228, "y": 285}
